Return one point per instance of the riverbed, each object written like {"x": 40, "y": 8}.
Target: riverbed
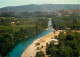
{"x": 22, "y": 45}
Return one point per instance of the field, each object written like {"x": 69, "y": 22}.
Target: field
{"x": 16, "y": 27}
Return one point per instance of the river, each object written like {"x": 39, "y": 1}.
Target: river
{"x": 22, "y": 45}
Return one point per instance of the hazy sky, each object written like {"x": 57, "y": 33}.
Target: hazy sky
{"x": 4, "y": 3}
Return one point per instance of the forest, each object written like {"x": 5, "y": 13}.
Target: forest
{"x": 67, "y": 22}
{"x": 69, "y": 45}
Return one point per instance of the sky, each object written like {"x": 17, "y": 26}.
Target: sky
{"x": 4, "y": 3}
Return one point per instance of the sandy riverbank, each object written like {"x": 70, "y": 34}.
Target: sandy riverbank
{"x": 32, "y": 49}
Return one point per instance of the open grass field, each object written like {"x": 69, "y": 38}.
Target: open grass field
{"x": 2, "y": 27}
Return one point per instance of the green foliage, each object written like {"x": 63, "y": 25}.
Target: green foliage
{"x": 38, "y": 48}
{"x": 37, "y": 44}
{"x": 69, "y": 22}
{"x": 40, "y": 54}
{"x": 68, "y": 46}
{"x": 12, "y": 35}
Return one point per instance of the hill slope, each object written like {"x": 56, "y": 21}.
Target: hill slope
{"x": 43, "y": 7}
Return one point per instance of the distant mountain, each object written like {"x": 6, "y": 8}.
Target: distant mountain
{"x": 43, "y": 7}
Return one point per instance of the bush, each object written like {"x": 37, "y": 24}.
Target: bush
{"x": 40, "y": 54}
{"x": 37, "y": 44}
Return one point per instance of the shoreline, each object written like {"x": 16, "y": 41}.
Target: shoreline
{"x": 31, "y": 50}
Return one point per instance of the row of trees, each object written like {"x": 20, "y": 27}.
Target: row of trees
{"x": 8, "y": 38}
{"x": 69, "y": 45}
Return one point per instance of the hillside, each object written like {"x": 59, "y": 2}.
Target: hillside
{"x": 43, "y": 7}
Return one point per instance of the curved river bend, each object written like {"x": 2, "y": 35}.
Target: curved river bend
{"x": 22, "y": 45}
